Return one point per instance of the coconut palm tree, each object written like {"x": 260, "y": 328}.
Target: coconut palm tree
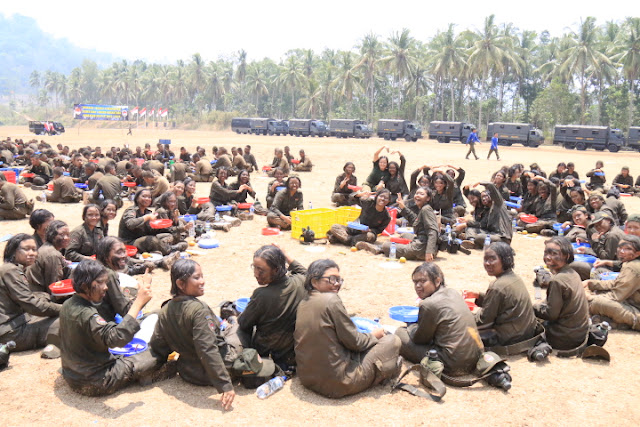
{"x": 347, "y": 82}
{"x": 292, "y": 77}
{"x": 401, "y": 59}
{"x": 370, "y": 54}
{"x": 257, "y": 82}
{"x": 581, "y": 54}
{"x": 448, "y": 60}
{"x": 628, "y": 48}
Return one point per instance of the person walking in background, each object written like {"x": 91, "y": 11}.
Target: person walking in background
{"x": 494, "y": 146}
{"x": 471, "y": 140}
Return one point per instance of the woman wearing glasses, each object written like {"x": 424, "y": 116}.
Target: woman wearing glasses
{"x": 268, "y": 322}
{"x": 334, "y": 359}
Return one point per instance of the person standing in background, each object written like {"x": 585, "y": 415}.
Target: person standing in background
{"x": 471, "y": 140}
{"x": 494, "y": 146}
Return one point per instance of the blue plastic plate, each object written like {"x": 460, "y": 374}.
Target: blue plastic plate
{"x": 241, "y": 304}
{"x": 280, "y": 188}
{"x": 66, "y": 174}
{"x": 208, "y": 243}
{"x": 557, "y": 226}
{"x": 403, "y": 230}
{"x": 515, "y": 198}
{"x": 188, "y": 218}
{"x": 513, "y": 205}
{"x": 584, "y": 258}
{"x": 81, "y": 185}
{"x": 608, "y": 275}
{"x": 224, "y": 208}
{"x": 598, "y": 173}
{"x": 134, "y": 347}
{"x": 404, "y": 313}
{"x": 357, "y": 226}
{"x": 365, "y": 325}
{"x": 581, "y": 245}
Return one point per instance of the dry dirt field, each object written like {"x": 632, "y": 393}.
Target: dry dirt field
{"x": 558, "y": 392}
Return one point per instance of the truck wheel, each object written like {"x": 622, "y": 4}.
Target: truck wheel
{"x": 386, "y": 137}
{"x": 415, "y": 139}
{"x": 407, "y": 138}
{"x": 613, "y": 148}
{"x": 393, "y": 138}
{"x": 581, "y": 146}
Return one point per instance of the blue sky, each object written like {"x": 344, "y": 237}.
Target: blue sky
{"x": 168, "y": 30}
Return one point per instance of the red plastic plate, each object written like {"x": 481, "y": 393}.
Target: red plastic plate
{"x": 202, "y": 200}
{"x": 62, "y": 287}
{"x": 529, "y": 219}
{"x": 160, "y": 223}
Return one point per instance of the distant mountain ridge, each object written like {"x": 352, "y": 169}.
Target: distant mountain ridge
{"x": 24, "y": 47}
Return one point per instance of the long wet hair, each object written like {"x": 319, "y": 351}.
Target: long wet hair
{"x": 182, "y": 269}
{"x": 13, "y": 244}
{"x": 566, "y": 249}
{"x": 275, "y": 259}
{"x": 316, "y": 271}
{"x": 505, "y": 253}
{"x": 432, "y": 271}
{"x": 85, "y": 274}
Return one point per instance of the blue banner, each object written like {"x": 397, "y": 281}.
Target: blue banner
{"x": 100, "y": 112}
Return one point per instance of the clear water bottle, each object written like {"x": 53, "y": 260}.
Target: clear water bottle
{"x": 392, "y": 251}
{"x": 217, "y": 217}
{"x": 192, "y": 231}
{"x": 310, "y": 205}
{"x": 561, "y": 232}
{"x": 207, "y": 226}
{"x": 44, "y": 197}
{"x": 514, "y": 223}
{"x": 487, "y": 241}
{"x": 252, "y": 210}
{"x": 447, "y": 229}
{"x": 270, "y": 387}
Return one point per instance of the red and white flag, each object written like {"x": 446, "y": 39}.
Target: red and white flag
{"x": 134, "y": 111}
{"x": 164, "y": 112}
{"x": 152, "y": 112}
{"x": 143, "y": 112}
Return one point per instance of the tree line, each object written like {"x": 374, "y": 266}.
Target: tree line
{"x": 588, "y": 75}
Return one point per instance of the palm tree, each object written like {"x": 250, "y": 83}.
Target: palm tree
{"x": 34, "y": 79}
{"x": 291, "y": 76}
{"x": 401, "y": 58}
{"x": 628, "y": 46}
{"x": 257, "y": 83}
{"x": 581, "y": 54}
{"x": 448, "y": 60}
{"x": 197, "y": 74}
{"x": 371, "y": 52}
{"x": 312, "y": 104}
{"x": 347, "y": 83}
{"x": 487, "y": 57}
{"x": 215, "y": 84}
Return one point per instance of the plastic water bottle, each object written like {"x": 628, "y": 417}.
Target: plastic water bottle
{"x": 252, "y": 210}
{"x": 514, "y": 223}
{"x": 487, "y": 241}
{"x": 217, "y": 217}
{"x": 447, "y": 231}
{"x": 310, "y": 205}
{"x": 392, "y": 251}
{"x": 192, "y": 231}
{"x": 270, "y": 387}
{"x": 44, "y": 197}
{"x": 561, "y": 232}
{"x": 207, "y": 226}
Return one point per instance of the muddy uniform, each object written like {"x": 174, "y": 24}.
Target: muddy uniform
{"x": 268, "y": 322}
{"x": 83, "y": 243}
{"x": 121, "y": 168}
{"x": 224, "y": 161}
{"x": 93, "y": 180}
{"x": 619, "y": 299}
{"x": 271, "y": 195}
{"x": 87, "y": 365}
{"x": 545, "y": 210}
{"x": 283, "y": 204}
{"x": 64, "y": 191}
{"x": 369, "y": 216}
{"x": 376, "y": 176}
{"x": 397, "y": 184}
{"x": 606, "y": 246}
{"x": 498, "y": 221}
{"x": 458, "y": 200}
{"x": 514, "y": 187}
{"x": 189, "y": 327}
{"x": 160, "y": 186}
{"x": 529, "y": 203}
{"x": 304, "y": 165}
{"x": 203, "y": 172}
{"x": 156, "y": 165}
{"x": 43, "y": 173}
{"x": 13, "y": 202}
{"x": 596, "y": 182}
{"x": 184, "y": 205}
{"x": 576, "y": 232}
{"x": 342, "y": 196}
{"x": 239, "y": 164}
{"x": 221, "y": 194}
{"x": 134, "y": 230}
{"x": 506, "y": 308}
{"x": 425, "y": 227}
{"x": 50, "y": 266}
{"x": 333, "y": 358}
{"x": 110, "y": 188}
{"x": 25, "y": 317}
{"x": 624, "y": 181}
{"x": 446, "y": 325}
{"x": 565, "y": 311}
{"x": 178, "y": 227}
{"x": 619, "y": 211}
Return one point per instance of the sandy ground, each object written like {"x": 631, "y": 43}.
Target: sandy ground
{"x": 560, "y": 391}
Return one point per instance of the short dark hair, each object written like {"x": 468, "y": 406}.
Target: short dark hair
{"x": 138, "y": 193}
{"x": 104, "y": 247}
{"x": 505, "y": 253}
{"x": 182, "y": 269}
{"x": 58, "y": 171}
{"x": 344, "y": 168}
{"x": 633, "y": 240}
{"x": 565, "y": 246}
{"x": 85, "y": 273}
{"x": 13, "y": 244}
{"x": 274, "y": 257}
{"x": 39, "y": 217}
{"x": 222, "y": 169}
{"x": 164, "y": 198}
{"x": 107, "y": 202}
{"x": 52, "y": 230}
{"x": 286, "y": 183}
{"x": 432, "y": 271}
{"x": 316, "y": 271}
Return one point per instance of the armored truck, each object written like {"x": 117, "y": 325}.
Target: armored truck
{"x": 308, "y": 127}
{"x": 262, "y": 126}
{"x": 393, "y": 129}
{"x": 633, "y": 140}
{"x": 583, "y": 137}
{"x": 445, "y": 132}
{"x": 347, "y": 128}
{"x": 241, "y": 125}
{"x": 516, "y": 133}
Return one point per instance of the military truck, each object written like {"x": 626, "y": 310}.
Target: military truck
{"x": 46, "y": 127}
{"x": 262, "y": 126}
{"x": 241, "y": 125}
{"x": 308, "y": 127}
{"x": 393, "y": 129}
{"x": 446, "y": 132}
{"x": 348, "y": 128}
{"x": 516, "y": 133}
{"x": 583, "y": 137}
{"x": 633, "y": 140}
